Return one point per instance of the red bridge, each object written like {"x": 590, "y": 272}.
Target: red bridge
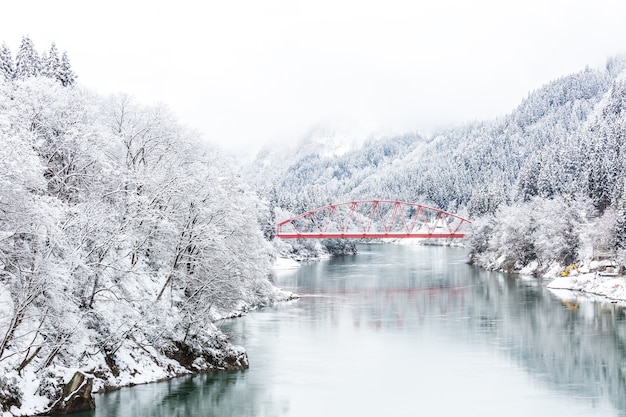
{"x": 373, "y": 219}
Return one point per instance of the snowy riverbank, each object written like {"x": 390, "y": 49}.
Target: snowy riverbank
{"x": 595, "y": 279}
{"x": 134, "y": 362}
{"x": 282, "y": 264}
{"x": 612, "y": 288}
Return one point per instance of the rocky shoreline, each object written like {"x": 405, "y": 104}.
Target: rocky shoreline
{"x": 60, "y": 390}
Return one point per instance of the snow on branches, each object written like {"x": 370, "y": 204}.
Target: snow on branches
{"x": 29, "y": 63}
{"x": 121, "y": 237}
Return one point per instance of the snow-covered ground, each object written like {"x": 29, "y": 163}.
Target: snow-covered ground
{"x": 597, "y": 279}
{"x": 612, "y": 288}
{"x": 282, "y": 264}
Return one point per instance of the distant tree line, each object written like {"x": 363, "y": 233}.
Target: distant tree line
{"x": 28, "y": 63}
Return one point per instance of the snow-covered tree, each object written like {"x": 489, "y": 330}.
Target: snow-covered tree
{"x": 27, "y": 62}
{"x": 51, "y": 63}
{"x": 7, "y": 70}
{"x": 107, "y": 205}
{"x": 619, "y": 228}
{"x": 65, "y": 74}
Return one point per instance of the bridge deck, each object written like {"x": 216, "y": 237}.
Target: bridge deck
{"x": 369, "y": 235}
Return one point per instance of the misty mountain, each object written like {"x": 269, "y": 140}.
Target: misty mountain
{"x": 565, "y": 140}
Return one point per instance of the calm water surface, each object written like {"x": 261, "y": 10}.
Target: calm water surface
{"x": 407, "y": 331}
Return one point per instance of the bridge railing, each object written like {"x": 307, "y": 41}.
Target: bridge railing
{"x": 373, "y": 219}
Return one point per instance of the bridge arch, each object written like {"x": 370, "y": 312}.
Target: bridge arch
{"x": 373, "y": 219}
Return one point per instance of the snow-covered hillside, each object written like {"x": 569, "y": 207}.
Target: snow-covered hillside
{"x": 122, "y": 238}
{"x": 544, "y": 183}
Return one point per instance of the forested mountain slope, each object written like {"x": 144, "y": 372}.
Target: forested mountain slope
{"x": 478, "y": 166}
{"x": 560, "y": 150}
{"x": 320, "y": 164}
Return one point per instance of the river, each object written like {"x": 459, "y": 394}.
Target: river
{"x": 407, "y": 331}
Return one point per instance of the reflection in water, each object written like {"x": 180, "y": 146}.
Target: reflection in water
{"x": 404, "y": 330}
{"x": 220, "y": 394}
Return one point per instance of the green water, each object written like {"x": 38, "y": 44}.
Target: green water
{"x": 407, "y": 331}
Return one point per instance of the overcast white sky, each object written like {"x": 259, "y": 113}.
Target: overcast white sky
{"x": 248, "y": 72}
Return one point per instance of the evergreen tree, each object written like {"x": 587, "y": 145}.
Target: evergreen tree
{"x": 619, "y": 231}
{"x": 51, "y": 63}
{"x": 43, "y": 64}
{"x": 65, "y": 74}
{"x": 619, "y": 228}
{"x": 545, "y": 181}
{"x": 6, "y": 63}
{"x": 570, "y": 236}
{"x": 528, "y": 179}
{"x": 27, "y": 63}
{"x": 598, "y": 187}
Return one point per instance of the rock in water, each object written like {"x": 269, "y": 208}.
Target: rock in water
{"x": 76, "y": 396}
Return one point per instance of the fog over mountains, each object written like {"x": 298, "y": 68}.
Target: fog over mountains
{"x": 557, "y": 158}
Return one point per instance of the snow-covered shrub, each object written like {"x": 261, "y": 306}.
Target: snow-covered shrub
{"x": 50, "y": 385}
{"x": 539, "y": 230}
{"x": 10, "y": 393}
{"x": 339, "y": 246}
